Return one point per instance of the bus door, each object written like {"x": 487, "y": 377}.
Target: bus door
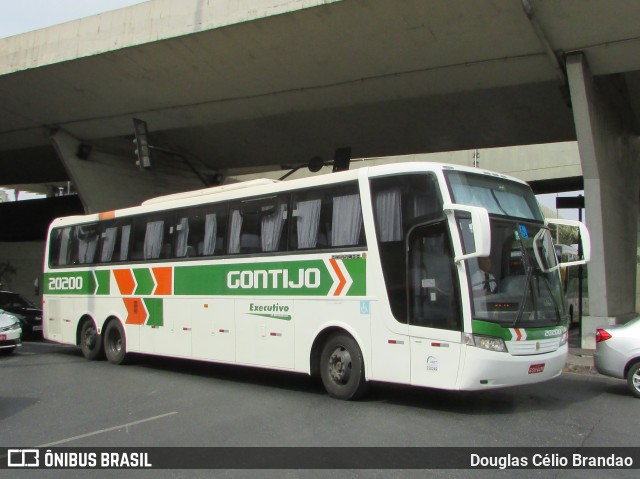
{"x": 435, "y": 322}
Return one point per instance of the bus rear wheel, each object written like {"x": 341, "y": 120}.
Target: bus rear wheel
{"x": 90, "y": 341}
{"x": 115, "y": 344}
{"x": 342, "y": 368}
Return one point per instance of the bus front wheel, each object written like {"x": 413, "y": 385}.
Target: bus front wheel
{"x": 115, "y": 344}
{"x": 90, "y": 341}
{"x": 342, "y": 368}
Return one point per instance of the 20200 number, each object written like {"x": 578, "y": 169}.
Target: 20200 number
{"x": 70, "y": 282}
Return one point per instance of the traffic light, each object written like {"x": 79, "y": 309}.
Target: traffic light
{"x": 141, "y": 143}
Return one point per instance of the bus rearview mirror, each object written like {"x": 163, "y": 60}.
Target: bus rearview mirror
{"x": 479, "y": 226}
{"x": 570, "y": 232}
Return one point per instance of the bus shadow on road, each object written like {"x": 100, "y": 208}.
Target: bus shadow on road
{"x": 555, "y": 395}
{"x": 10, "y": 406}
{"x": 233, "y": 373}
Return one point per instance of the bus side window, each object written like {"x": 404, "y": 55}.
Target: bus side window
{"x": 153, "y": 240}
{"x": 86, "y": 239}
{"x": 306, "y": 221}
{"x": 125, "y": 243}
{"x": 64, "y": 253}
{"x": 207, "y": 229}
{"x": 200, "y": 231}
{"x": 114, "y": 242}
{"x": 108, "y": 240}
{"x": 157, "y": 238}
{"x": 257, "y": 224}
{"x": 346, "y": 224}
{"x": 327, "y": 218}
{"x": 181, "y": 237}
{"x": 54, "y": 246}
{"x": 272, "y": 225}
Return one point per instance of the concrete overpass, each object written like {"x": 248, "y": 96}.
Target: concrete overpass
{"x": 257, "y": 84}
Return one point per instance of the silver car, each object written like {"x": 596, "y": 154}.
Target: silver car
{"x": 10, "y": 332}
{"x": 618, "y": 353}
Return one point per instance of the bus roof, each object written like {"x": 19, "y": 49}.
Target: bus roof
{"x": 210, "y": 191}
{"x": 265, "y": 186}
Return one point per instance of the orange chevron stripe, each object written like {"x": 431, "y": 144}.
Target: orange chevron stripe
{"x": 164, "y": 277}
{"x": 124, "y": 278}
{"x": 341, "y": 278}
{"x": 136, "y": 314}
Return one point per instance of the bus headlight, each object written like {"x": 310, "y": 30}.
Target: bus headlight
{"x": 564, "y": 339}
{"x": 486, "y": 342}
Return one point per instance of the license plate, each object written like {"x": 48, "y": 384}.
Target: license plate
{"x": 3, "y": 337}
{"x": 536, "y": 368}
{"x": 37, "y": 328}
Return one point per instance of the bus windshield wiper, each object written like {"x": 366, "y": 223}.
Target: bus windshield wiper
{"x": 529, "y": 269}
{"x": 553, "y": 299}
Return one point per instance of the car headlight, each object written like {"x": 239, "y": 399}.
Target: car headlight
{"x": 490, "y": 343}
{"x": 14, "y": 325}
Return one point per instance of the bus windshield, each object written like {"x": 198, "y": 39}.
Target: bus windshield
{"x": 497, "y": 195}
{"x": 518, "y": 284}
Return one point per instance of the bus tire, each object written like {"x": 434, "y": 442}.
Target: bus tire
{"x": 90, "y": 341}
{"x": 342, "y": 368}
{"x": 633, "y": 379}
{"x": 115, "y": 343}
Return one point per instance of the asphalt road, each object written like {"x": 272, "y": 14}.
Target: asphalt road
{"x": 51, "y": 396}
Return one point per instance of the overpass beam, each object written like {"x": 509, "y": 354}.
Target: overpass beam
{"x": 106, "y": 180}
{"x": 608, "y": 154}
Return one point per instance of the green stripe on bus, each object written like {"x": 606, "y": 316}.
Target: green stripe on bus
{"x": 76, "y": 283}
{"x": 155, "y": 308}
{"x": 144, "y": 280}
{"x": 293, "y": 278}
{"x": 357, "y": 269}
{"x": 290, "y": 278}
{"x": 103, "y": 285}
{"x": 487, "y": 328}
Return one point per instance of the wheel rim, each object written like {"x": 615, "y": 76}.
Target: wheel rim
{"x": 340, "y": 365}
{"x": 115, "y": 342}
{"x": 635, "y": 380}
{"x": 90, "y": 338}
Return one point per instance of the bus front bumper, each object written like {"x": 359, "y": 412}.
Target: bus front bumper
{"x": 485, "y": 369}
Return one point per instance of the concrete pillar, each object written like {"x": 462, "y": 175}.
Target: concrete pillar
{"x": 22, "y": 265}
{"x": 106, "y": 181}
{"x": 609, "y": 164}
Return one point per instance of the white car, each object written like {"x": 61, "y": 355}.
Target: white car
{"x": 618, "y": 353}
{"x": 10, "y": 332}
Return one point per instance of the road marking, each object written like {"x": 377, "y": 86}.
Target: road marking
{"x": 101, "y": 431}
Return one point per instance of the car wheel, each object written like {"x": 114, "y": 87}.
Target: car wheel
{"x": 115, "y": 343}
{"x": 633, "y": 379}
{"x": 342, "y": 368}
{"x": 7, "y": 351}
{"x": 90, "y": 341}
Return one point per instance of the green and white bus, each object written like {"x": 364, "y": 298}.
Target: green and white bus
{"x": 357, "y": 276}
